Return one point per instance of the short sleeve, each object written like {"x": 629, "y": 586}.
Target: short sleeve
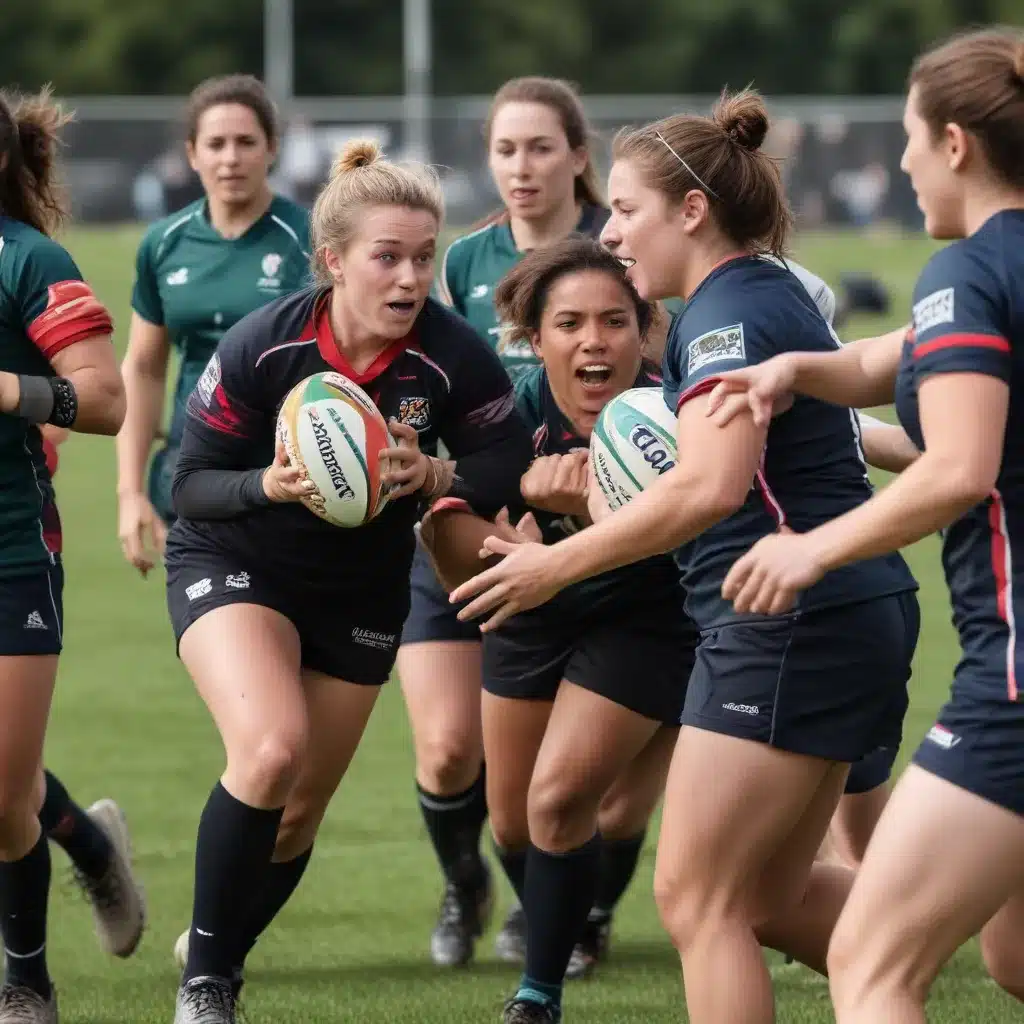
{"x": 959, "y": 321}
{"x": 146, "y": 299}
{"x": 694, "y": 364}
{"x": 57, "y": 308}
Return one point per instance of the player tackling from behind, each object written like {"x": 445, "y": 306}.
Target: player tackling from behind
{"x": 288, "y": 625}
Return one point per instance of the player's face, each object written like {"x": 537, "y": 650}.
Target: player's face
{"x": 589, "y": 342}
{"x": 644, "y": 232}
{"x": 385, "y": 272}
{"x": 231, "y": 154}
{"x": 932, "y": 166}
{"x": 531, "y": 160}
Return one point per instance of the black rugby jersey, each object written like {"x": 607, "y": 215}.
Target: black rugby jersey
{"x": 969, "y": 318}
{"x": 441, "y": 379}
{"x": 652, "y": 580}
{"x": 812, "y": 469}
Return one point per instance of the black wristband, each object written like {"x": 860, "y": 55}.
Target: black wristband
{"x": 65, "y": 403}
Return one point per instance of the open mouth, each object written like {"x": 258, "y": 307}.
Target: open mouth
{"x": 626, "y": 261}
{"x": 402, "y": 308}
{"x": 594, "y": 375}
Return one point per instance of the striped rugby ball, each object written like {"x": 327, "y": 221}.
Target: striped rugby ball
{"x": 632, "y": 444}
{"x": 331, "y": 428}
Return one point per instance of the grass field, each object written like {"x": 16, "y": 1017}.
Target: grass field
{"x": 352, "y": 946}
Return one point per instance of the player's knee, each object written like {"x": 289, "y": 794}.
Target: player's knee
{"x": 268, "y": 765}
{"x": 299, "y": 826}
{"x": 18, "y": 813}
{"x": 684, "y": 905}
{"x": 449, "y": 761}
{"x": 1004, "y": 962}
{"x": 623, "y": 815}
{"x": 509, "y": 825}
{"x": 561, "y": 812}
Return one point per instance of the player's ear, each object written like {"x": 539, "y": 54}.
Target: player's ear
{"x": 693, "y": 211}
{"x": 190, "y": 152}
{"x": 333, "y": 263}
{"x": 535, "y": 345}
{"x": 956, "y": 146}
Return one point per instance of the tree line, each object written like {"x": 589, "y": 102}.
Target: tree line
{"x": 353, "y": 47}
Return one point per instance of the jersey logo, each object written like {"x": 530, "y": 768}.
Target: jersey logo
{"x": 479, "y": 291}
{"x": 414, "y": 412}
{"x": 179, "y": 276}
{"x": 714, "y": 347}
{"x": 933, "y": 310}
{"x": 207, "y": 383}
{"x": 271, "y": 267}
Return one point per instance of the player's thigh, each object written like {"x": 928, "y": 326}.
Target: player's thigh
{"x": 627, "y": 806}
{"x": 31, "y": 638}
{"x": 1002, "y": 945}
{"x": 940, "y": 864}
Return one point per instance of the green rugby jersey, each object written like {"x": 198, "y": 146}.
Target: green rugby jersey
{"x": 45, "y": 306}
{"x": 471, "y": 270}
{"x": 197, "y": 283}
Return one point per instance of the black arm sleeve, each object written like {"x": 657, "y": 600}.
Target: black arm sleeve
{"x": 487, "y": 438}
{"x": 224, "y": 445}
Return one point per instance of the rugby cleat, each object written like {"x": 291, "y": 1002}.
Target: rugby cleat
{"x": 590, "y": 950}
{"x": 181, "y": 958}
{"x": 510, "y": 942}
{"x": 21, "y": 1005}
{"x": 205, "y": 1000}
{"x": 118, "y": 901}
{"x": 525, "y": 1011}
{"x": 463, "y": 918}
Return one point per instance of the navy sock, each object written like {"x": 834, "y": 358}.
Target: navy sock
{"x": 233, "y": 851}
{"x": 617, "y": 866}
{"x": 559, "y": 893}
{"x": 24, "y": 899}
{"x": 513, "y": 863}
{"x": 280, "y": 880}
{"x": 66, "y": 824}
{"x": 454, "y": 824}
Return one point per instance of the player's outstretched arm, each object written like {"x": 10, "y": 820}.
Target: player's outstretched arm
{"x": 887, "y": 446}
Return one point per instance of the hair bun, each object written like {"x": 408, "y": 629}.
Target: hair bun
{"x": 743, "y": 117}
{"x": 356, "y": 153}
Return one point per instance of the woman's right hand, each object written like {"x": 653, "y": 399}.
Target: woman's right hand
{"x": 141, "y": 531}
{"x": 767, "y": 388}
{"x": 284, "y": 482}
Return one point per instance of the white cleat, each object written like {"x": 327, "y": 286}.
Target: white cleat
{"x": 205, "y": 1001}
{"x": 118, "y": 902}
{"x": 181, "y": 949}
{"x": 20, "y": 1005}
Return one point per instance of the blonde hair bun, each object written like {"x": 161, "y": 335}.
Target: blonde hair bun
{"x": 356, "y": 153}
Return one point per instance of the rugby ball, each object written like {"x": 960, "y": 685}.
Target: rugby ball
{"x": 632, "y": 444}
{"x": 331, "y": 428}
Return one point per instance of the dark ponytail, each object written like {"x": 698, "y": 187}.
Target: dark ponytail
{"x": 29, "y": 137}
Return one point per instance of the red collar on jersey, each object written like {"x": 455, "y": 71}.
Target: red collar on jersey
{"x": 331, "y": 354}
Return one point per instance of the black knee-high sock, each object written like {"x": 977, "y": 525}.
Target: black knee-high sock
{"x": 618, "y": 865}
{"x": 280, "y": 880}
{"x": 513, "y": 862}
{"x": 559, "y": 894}
{"x": 233, "y": 851}
{"x": 24, "y": 898}
{"x": 455, "y": 823}
{"x": 74, "y": 831}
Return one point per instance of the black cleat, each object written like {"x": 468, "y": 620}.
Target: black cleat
{"x": 463, "y": 918}
{"x": 510, "y": 942}
{"x": 591, "y": 949}
{"x": 526, "y": 1011}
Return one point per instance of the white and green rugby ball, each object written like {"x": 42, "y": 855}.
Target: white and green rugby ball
{"x": 632, "y": 444}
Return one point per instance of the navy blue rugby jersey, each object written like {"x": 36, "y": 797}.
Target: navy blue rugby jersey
{"x": 441, "y": 379}
{"x": 652, "y": 580}
{"x": 969, "y": 318}
{"x": 812, "y": 469}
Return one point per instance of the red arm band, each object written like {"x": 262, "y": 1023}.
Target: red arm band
{"x": 73, "y": 313}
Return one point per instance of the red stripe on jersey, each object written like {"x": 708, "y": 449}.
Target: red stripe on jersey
{"x": 996, "y": 341}
{"x": 72, "y": 314}
{"x": 52, "y": 458}
{"x": 775, "y": 509}
{"x": 1002, "y": 569}
{"x": 702, "y": 387}
{"x": 331, "y": 355}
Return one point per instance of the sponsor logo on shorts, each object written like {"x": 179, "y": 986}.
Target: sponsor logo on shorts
{"x": 329, "y": 457}
{"x": 35, "y": 621}
{"x": 933, "y": 310}
{"x": 714, "y": 347}
{"x": 743, "y": 709}
{"x": 238, "y": 581}
{"x": 200, "y": 589}
{"x": 371, "y": 638}
{"x": 652, "y": 448}
{"x": 942, "y": 737}
{"x": 414, "y": 412}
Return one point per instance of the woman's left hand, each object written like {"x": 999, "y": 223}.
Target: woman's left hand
{"x": 525, "y": 578}
{"x": 408, "y": 465}
{"x": 769, "y": 577}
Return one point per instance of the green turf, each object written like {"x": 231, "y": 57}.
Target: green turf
{"x": 352, "y": 946}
